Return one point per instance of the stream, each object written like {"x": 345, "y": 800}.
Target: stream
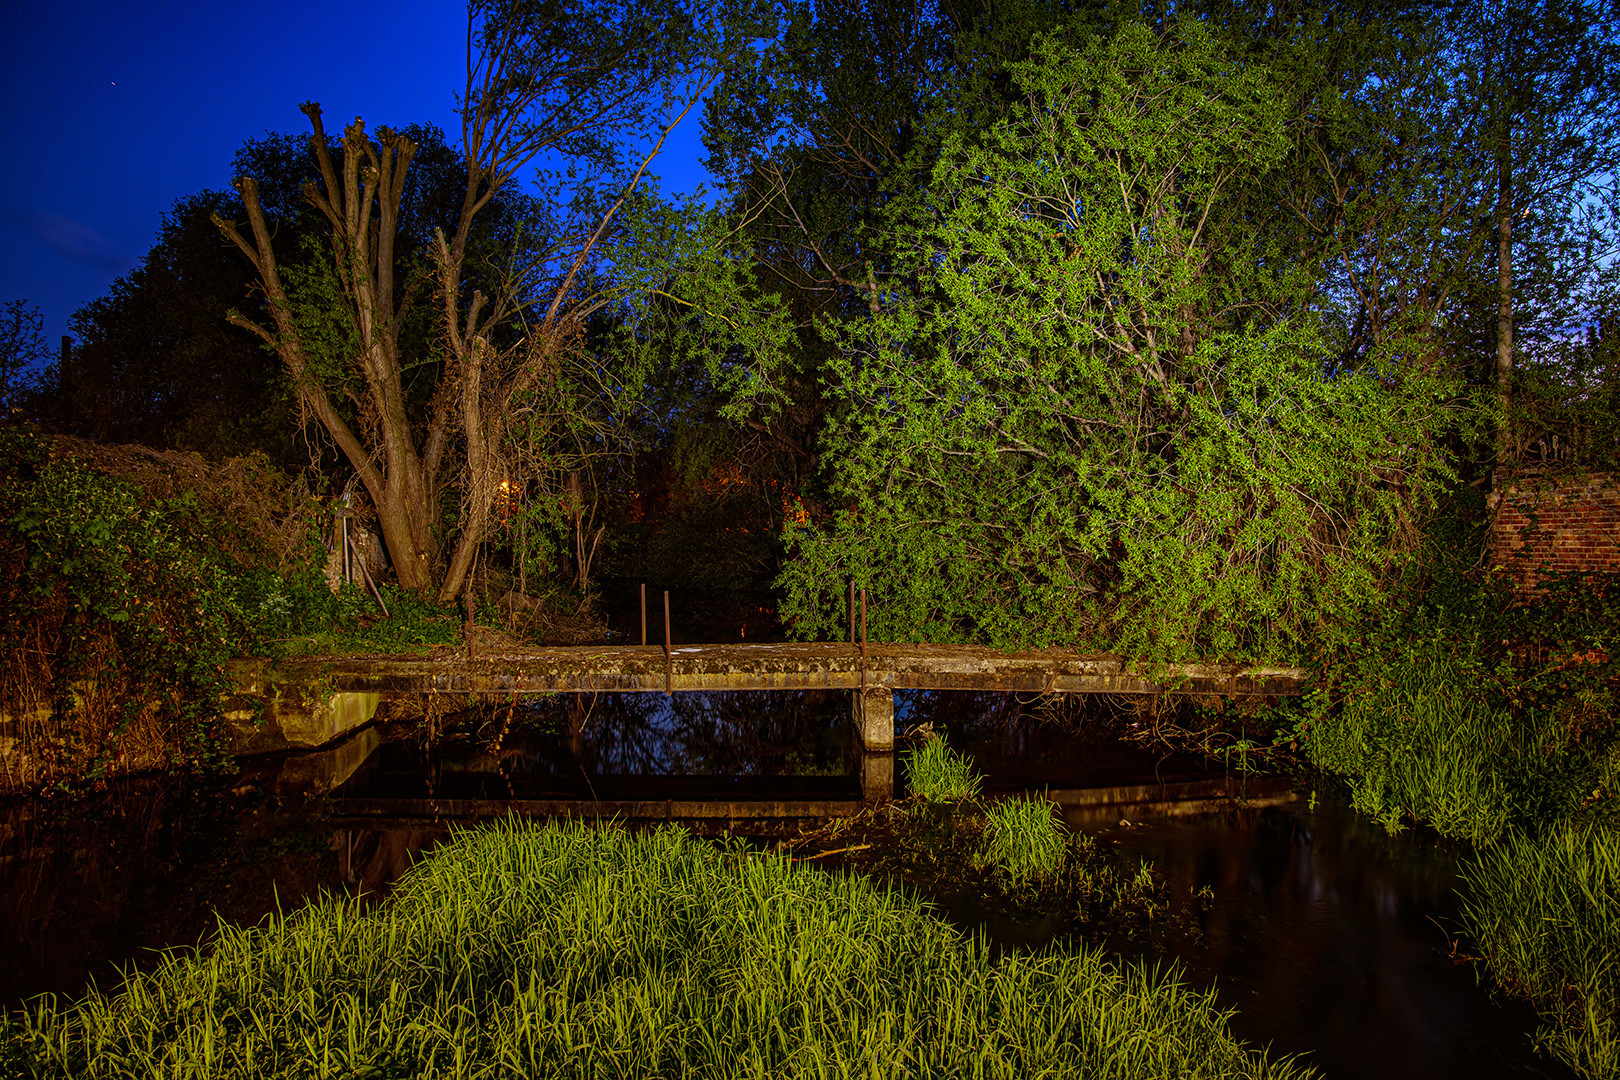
{"x": 1329, "y": 938}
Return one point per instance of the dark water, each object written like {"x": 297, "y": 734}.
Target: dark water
{"x": 1329, "y": 938}
{"x": 622, "y": 746}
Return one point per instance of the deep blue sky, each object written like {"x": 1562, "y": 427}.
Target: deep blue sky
{"x": 114, "y": 110}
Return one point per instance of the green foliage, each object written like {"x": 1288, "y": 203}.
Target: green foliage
{"x": 119, "y": 608}
{"x": 292, "y": 614}
{"x": 1092, "y": 405}
{"x": 938, "y": 774}
{"x": 1476, "y": 715}
{"x": 1022, "y": 842}
{"x": 1494, "y": 722}
{"x": 101, "y": 564}
{"x": 570, "y": 951}
{"x": 1415, "y": 744}
{"x": 1546, "y": 911}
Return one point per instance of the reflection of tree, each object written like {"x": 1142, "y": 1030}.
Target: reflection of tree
{"x": 717, "y": 732}
{"x": 968, "y": 714}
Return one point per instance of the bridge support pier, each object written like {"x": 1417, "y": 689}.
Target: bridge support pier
{"x": 873, "y": 713}
{"x": 877, "y": 777}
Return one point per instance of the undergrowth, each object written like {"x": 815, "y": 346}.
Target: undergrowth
{"x": 120, "y": 603}
{"x": 1494, "y": 722}
{"x": 1546, "y": 911}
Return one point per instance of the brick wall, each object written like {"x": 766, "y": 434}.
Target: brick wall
{"x": 1543, "y": 524}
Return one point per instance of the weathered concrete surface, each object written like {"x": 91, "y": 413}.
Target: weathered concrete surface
{"x": 872, "y": 713}
{"x": 1091, "y": 808}
{"x": 877, "y": 776}
{"x": 275, "y": 710}
{"x": 788, "y": 666}
{"x": 316, "y": 772}
{"x": 726, "y": 812}
{"x": 1081, "y": 807}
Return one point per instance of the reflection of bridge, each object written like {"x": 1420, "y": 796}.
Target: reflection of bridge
{"x": 339, "y": 693}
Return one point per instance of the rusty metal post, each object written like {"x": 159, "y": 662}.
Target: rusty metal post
{"x": 644, "y": 613}
{"x": 467, "y": 630}
{"x": 863, "y": 647}
{"x": 852, "y": 611}
{"x": 669, "y": 671}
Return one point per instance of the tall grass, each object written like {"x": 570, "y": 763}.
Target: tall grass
{"x": 939, "y": 774}
{"x": 563, "y": 951}
{"x": 1415, "y": 741}
{"x": 1022, "y": 841}
{"x": 1546, "y": 911}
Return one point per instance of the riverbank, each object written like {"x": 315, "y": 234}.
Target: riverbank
{"x": 1494, "y": 723}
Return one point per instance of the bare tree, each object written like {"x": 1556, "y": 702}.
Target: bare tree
{"x": 22, "y": 346}
{"x": 544, "y": 77}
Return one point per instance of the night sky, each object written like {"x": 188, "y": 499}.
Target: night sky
{"x": 115, "y": 110}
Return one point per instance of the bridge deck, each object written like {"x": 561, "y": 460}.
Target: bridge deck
{"x": 786, "y": 666}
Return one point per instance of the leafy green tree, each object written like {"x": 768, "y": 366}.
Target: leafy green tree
{"x": 1100, "y": 396}
{"x": 1543, "y": 81}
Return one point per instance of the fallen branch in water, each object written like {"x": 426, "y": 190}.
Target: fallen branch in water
{"x": 835, "y": 851}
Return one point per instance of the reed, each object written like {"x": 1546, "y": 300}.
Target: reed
{"x": 1417, "y": 742}
{"x": 1546, "y": 913}
{"x": 939, "y": 774}
{"x": 565, "y": 951}
{"x": 1023, "y": 842}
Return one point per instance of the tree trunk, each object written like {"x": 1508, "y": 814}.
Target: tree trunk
{"x": 1504, "y": 290}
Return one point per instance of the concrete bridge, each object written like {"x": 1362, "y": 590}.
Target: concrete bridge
{"x": 312, "y": 701}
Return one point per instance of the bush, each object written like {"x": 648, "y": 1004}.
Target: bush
{"x": 1416, "y": 742}
{"x": 117, "y": 622}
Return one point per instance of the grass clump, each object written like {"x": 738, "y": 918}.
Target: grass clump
{"x": 1022, "y": 842}
{"x": 561, "y": 951}
{"x": 937, "y": 773}
{"x": 1415, "y": 745}
{"x": 1547, "y": 912}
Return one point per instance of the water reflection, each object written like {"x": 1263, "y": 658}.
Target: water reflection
{"x": 1015, "y": 741}
{"x": 1330, "y": 937}
{"x": 89, "y": 884}
{"x": 599, "y": 746}
{"x": 1316, "y": 926}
